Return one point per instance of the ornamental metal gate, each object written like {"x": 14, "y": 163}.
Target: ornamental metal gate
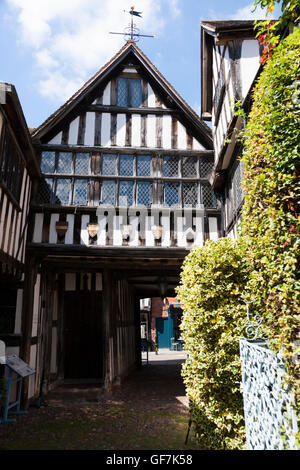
{"x": 270, "y": 418}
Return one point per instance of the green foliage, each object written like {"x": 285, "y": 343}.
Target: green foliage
{"x": 288, "y": 18}
{"x": 270, "y": 213}
{"x": 212, "y": 283}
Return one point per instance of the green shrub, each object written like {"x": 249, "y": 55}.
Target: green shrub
{"x": 213, "y": 279}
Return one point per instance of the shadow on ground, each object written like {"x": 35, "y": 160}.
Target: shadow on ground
{"x": 148, "y": 412}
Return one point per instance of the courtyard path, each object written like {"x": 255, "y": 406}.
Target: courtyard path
{"x": 148, "y": 412}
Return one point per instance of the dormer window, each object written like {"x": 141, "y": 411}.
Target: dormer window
{"x": 129, "y": 92}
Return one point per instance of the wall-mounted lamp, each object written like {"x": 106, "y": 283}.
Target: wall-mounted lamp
{"x": 157, "y": 231}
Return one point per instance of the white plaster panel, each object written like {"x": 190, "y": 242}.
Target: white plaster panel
{"x": 121, "y": 130}
{"x": 89, "y": 137}
{"x": 105, "y": 130}
{"x": 73, "y": 132}
{"x": 136, "y": 130}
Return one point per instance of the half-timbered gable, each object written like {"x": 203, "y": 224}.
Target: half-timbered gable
{"x": 126, "y": 139}
{"x": 230, "y": 63}
{"x": 19, "y": 171}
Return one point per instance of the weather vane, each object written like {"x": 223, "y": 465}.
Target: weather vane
{"x": 131, "y": 31}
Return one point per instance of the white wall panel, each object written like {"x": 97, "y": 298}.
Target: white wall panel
{"x": 167, "y": 132}
{"x": 151, "y": 130}
{"x": 38, "y": 228}
{"x": 89, "y": 137}
{"x": 105, "y": 130}
{"x": 136, "y": 130}
{"x": 52, "y": 229}
{"x": 73, "y": 132}
{"x": 56, "y": 140}
{"x": 121, "y": 130}
{"x": 151, "y": 98}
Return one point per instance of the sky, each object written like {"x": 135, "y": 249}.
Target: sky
{"x": 50, "y": 48}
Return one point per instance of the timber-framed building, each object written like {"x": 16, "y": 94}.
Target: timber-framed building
{"x": 121, "y": 181}
{"x": 123, "y": 196}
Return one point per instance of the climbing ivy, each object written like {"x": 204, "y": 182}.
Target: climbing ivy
{"x": 260, "y": 267}
{"x": 212, "y": 283}
{"x": 270, "y": 216}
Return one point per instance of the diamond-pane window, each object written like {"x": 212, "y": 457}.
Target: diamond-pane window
{"x": 135, "y": 87}
{"x": 129, "y": 92}
{"x": 189, "y": 167}
{"x": 206, "y": 165}
{"x": 65, "y": 163}
{"x": 44, "y": 193}
{"x": 126, "y": 193}
{"x": 209, "y": 199}
{"x": 170, "y": 166}
{"x": 80, "y": 192}
{"x": 63, "y": 189}
{"x": 122, "y": 92}
{"x": 126, "y": 165}
{"x": 144, "y": 193}
{"x": 48, "y": 162}
{"x": 143, "y": 166}
{"x": 109, "y": 164}
{"x": 190, "y": 194}
{"x": 82, "y": 163}
{"x": 108, "y": 193}
{"x": 171, "y": 194}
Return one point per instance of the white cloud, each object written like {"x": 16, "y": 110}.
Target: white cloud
{"x": 69, "y": 39}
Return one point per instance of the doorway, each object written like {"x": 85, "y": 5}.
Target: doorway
{"x": 83, "y": 356}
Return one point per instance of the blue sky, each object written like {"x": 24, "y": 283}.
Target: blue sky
{"x": 49, "y": 48}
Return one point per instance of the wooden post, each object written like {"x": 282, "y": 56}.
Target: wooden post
{"x": 107, "y": 304}
{"x": 31, "y": 268}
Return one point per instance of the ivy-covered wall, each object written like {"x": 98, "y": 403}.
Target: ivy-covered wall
{"x": 260, "y": 267}
{"x": 270, "y": 214}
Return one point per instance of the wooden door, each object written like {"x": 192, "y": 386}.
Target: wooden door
{"x": 82, "y": 335}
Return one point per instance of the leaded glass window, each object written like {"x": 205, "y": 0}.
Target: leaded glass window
{"x": 129, "y": 92}
{"x": 63, "y": 190}
{"x": 108, "y": 193}
{"x": 65, "y": 163}
{"x": 143, "y": 193}
{"x": 44, "y": 194}
{"x": 209, "y": 199}
{"x": 48, "y": 162}
{"x": 80, "y": 192}
{"x": 82, "y": 163}
{"x": 122, "y": 92}
{"x": 170, "y": 167}
{"x": 190, "y": 194}
{"x": 126, "y": 165}
{"x": 109, "y": 164}
{"x": 171, "y": 194}
{"x": 189, "y": 167}
{"x": 126, "y": 193}
{"x": 206, "y": 165}
{"x": 135, "y": 91}
{"x": 143, "y": 165}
